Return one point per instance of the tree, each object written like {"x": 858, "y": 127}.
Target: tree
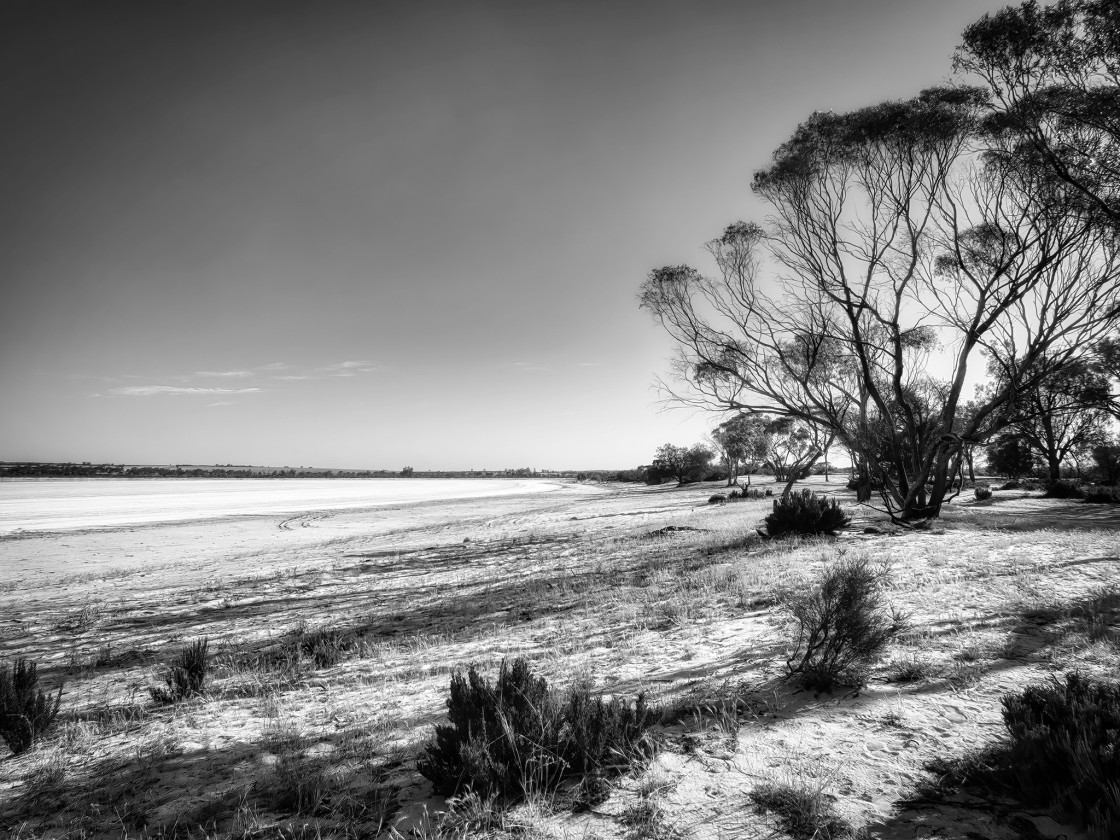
{"x": 407, "y": 472}
{"x": 892, "y": 237}
{"x": 1064, "y": 414}
{"x": 1053, "y": 74}
{"x": 1010, "y": 455}
{"x": 743, "y": 440}
{"x": 793, "y": 449}
{"x": 685, "y": 464}
{"x": 1108, "y": 362}
{"x": 1107, "y": 456}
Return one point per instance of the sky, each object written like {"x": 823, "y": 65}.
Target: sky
{"x": 378, "y": 234}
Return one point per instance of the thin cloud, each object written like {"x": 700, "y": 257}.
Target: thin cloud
{"x": 352, "y": 368}
{"x": 157, "y": 390}
{"x": 224, "y": 373}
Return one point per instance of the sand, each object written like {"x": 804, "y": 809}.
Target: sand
{"x": 571, "y": 579}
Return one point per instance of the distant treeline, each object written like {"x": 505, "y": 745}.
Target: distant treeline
{"x": 86, "y": 469}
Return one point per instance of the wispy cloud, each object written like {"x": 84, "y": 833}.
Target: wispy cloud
{"x": 196, "y": 383}
{"x": 223, "y": 373}
{"x": 350, "y": 368}
{"x": 156, "y": 390}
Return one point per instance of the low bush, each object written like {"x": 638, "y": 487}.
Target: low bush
{"x": 1064, "y": 490}
{"x": 717, "y": 499}
{"x": 1064, "y": 749}
{"x": 1009, "y": 485}
{"x": 806, "y": 513}
{"x": 843, "y": 627}
{"x": 186, "y": 674}
{"x": 517, "y": 735}
{"x": 982, "y": 492}
{"x": 26, "y": 711}
{"x": 1102, "y": 495}
{"x": 733, "y": 495}
{"x": 1061, "y": 752}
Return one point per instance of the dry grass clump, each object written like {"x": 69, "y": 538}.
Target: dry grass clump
{"x": 843, "y": 626}
{"x": 26, "y": 711}
{"x": 803, "y": 813}
{"x": 186, "y": 674}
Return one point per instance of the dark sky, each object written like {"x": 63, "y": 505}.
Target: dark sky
{"x": 371, "y": 233}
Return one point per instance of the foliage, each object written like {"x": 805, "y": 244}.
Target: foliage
{"x": 1064, "y": 414}
{"x": 26, "y": 711}
{"x": 1102, "y": 495}
{"x": 793, "y": 448}
{"x": 685, "y": 464}
{"x": 1107, "y": 458}
{"x": 186, "y": 674}
{"x": 806, "y": 513}
{"x": 1064, "y": 749}
{"x": 517, "y": 735}
{"x": 803, "y": 814}
{"x": 1065, "y": 490}
{"x": 982, "y": 492}
{"x": 843, "y": 627}
{"x": 720, "y": 498}
{"x": 1010, "y": 455}
{"x": 1053, "y": 73}
{"x": 744, "y": 440}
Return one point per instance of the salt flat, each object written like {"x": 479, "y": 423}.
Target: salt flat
{"x": 64, "y": 504}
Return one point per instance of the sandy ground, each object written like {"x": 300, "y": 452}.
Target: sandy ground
{"x": 573, "y": 580}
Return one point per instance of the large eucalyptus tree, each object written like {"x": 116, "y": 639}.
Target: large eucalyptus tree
{"x": 898, "y": 253}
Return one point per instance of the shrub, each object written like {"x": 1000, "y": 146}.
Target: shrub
{"x": 843, "y": 627}
{"x": 1064, "y": 490}
{"x": 1102, "y": 495}
{"x": 186, "y": 674}
{"x": 1009, "y": 485}
{"x": 517, "y": 735}
{"x": 734, "y": 494}
{"x": 806, "y": 513}
{"x": 26, "y": 712}
{"x": 717, "y": 499}
{"x": 982, "y": 492}
{"x": 1064, "y": 749}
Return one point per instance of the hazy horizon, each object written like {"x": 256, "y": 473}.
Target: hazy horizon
{"x": 372, "y": 235}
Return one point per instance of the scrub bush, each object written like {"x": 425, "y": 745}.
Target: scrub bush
{"x": 517, "y": 735}
{"x": 843, "y": 627}
{"x": 806, "y": 513}
{"x": 26, "y": 711}
{"x": 1064, "y": 490}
